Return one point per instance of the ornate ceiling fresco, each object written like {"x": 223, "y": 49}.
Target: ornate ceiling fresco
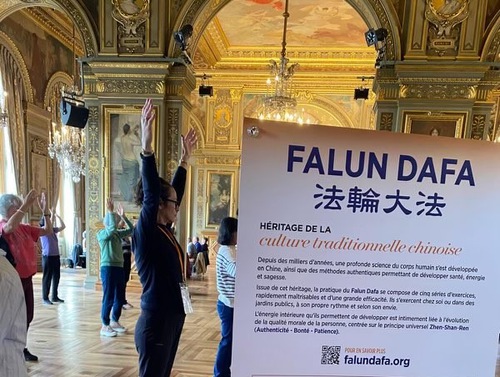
{"x": 329, "y": 23}
{"x": 326, "y": 38}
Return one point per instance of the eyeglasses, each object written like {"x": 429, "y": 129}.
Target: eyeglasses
{"x": 176, "y": 203}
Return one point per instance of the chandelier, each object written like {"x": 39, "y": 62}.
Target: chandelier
{"x": 4, "y": 116}
{"x": 279, "y": 103}
{"x": 67, "y": 145}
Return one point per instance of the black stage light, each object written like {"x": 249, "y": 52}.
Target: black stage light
{"x": 74, "y": 114}
{"x": 206, "y": 90}
{"x": 373, "y": 36}
{"x": 361, "y": 93}
{"x": 183, "y": 35}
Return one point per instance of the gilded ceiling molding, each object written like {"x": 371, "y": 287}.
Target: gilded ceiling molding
{"x": 18, "y": 57}
{"x": 491, "y": 50}
{"x": 302, "y": 53}
{"x": 47, "y": 23}
{"x": 71, "y": 7}
{"x": 84, "y": 25}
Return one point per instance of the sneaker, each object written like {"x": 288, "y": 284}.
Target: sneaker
{"x": 28, "y": 356}
{"x": 117, "y": 327}
{"x": 47, "y": 302}
{"x": 127, "y": 306}
{"x": 57, "y": 299}
{"x": 107, "y": 331}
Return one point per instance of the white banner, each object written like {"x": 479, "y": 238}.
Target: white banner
{"x": 364, "y": 253}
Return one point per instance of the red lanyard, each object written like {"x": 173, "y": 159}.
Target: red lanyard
{"x": 179, "y": 252}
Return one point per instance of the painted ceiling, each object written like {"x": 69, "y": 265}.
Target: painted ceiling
{"x": 327, "y": 23}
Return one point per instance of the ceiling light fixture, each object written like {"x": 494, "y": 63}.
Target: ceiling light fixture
{"x": 205, "y": 89}
{"x": 279, "y": 103}
{"x": 67, "y": 134}
{"x": 362, "y": 92}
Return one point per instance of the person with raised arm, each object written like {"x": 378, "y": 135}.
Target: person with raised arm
{"x": 159, "y": 257}
{"x": 112, "y": 275}
{"x": 51, "y": 260}
{"x": 21, "y": 239}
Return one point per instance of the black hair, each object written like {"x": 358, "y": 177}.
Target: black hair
{"x": 227, "y": 227}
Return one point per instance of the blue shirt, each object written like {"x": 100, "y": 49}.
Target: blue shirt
{"x": 50, "y": 246}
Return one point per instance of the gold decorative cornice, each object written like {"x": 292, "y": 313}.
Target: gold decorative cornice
{"x": 130, "y": 86}
{"x": 438, "y": 91}
{"x": 218, "y": 160}
{"x": 128, "y": 76}
{"x": 319, "y": 55}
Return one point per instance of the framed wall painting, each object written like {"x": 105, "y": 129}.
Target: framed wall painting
{"x": 220, "y": 194}
{"x": 40, "y": 168}
{"x": 435, "y": 124}
{"x": 123, "y": 149}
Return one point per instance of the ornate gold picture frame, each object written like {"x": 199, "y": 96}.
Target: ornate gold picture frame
{"x": 435, "y": 124}
{"x": 122, "y": 150}
{"x": 220, "y": 195}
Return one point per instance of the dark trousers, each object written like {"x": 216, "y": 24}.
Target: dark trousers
{"x": 28, "y": 298}
{"x": 51, "y": 267}
{"x": 222, "y": 366}
{"x": 127, "y": 266}
{"x": 156, "y": 339}
{"x": 113, "y": 293}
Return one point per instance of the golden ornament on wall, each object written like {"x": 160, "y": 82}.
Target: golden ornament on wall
{"x": 445, "y": 14}
{"x": 131, "y": 14}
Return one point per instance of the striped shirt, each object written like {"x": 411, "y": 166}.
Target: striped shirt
{"x": 225, "y": 267}
{"x": 12, "y": 322}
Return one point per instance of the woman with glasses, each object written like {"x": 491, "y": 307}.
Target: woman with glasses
{"x": 159, "y": 257}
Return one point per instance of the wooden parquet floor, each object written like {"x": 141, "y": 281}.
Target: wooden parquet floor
{"x": 66, "y": 337}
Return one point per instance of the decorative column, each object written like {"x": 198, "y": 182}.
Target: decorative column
{"x": 179, "y": 85}
{"x": 386, "y": 88}
{"x": 482, "y": 117}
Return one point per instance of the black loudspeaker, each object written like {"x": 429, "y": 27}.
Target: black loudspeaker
{"x": 73, "y": 115}
{"x": 361, "y": 93}
{"x": 206, "y": 90}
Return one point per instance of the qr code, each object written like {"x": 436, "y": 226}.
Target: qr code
{"x": 330, "y": 355}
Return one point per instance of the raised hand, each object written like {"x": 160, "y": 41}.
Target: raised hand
{"x": 110, "y": 205}
{"x": 147, "y": 118}
{"x": 119, "y": 209}
{"x": 188, "y": 144}
{"x": 42, "y": 201}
